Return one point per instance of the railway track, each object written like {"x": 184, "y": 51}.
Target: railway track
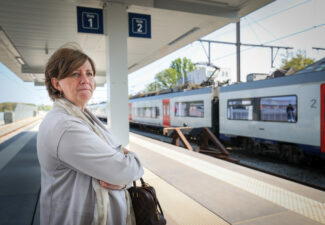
{"x": 310, "y": 176}
{"x": 286, "y": 177}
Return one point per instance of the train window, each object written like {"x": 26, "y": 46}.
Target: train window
{"x": 189, "y": 109}
{"x": 149, "y": 112}
{"x": 180, "y": 109}
{"x": 240, "y": 109}
{"x": 157, "y": 112}
{"x": 167, "y": 109}
{"x": 196, "y": 109}
{"x": 280, "y": 109}
{"x": 146, "y": 111}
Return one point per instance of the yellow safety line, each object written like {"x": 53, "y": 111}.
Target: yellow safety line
{"x": 297, "y": 203}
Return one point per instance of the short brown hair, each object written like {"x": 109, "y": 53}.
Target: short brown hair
{"x": 61, "y": 64}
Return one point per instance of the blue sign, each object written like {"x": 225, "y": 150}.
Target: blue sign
{"x": 139, "y": 25}
{"x": 90, "y": 20}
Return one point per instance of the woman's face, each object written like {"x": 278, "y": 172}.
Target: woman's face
{"x": 79, "y": 86}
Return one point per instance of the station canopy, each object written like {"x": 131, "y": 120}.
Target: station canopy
{"x": 31, "y": 30}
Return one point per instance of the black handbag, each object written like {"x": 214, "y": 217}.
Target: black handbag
{"x": 145, "y": 204}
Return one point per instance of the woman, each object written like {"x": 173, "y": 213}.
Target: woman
{"x": 83, "y": 171}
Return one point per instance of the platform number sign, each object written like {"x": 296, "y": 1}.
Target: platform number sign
{"x": 139, "y": 25}
{"x": 90, "y": 20}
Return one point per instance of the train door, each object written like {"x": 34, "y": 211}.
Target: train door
{"x": 166, "y": 112}
{"x": 322, "y": 117}
{"x": 130, "y": 112}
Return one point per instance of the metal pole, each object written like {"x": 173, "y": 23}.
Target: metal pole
{"x": 272, "y": 60}
{"x": 238, "y": 49}
{"x": 209, "y": 53}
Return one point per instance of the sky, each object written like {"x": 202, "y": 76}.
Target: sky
{"x": 294, "y": 23}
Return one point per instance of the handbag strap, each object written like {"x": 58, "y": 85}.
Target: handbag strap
{"x": 143, "y": 184}
{"x": 162, "y": 213}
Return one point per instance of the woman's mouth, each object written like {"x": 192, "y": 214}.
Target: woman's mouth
{"x": 84, "y": 89}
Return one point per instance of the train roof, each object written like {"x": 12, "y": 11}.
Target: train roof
{"x": 312, "y": 73}
{"x": 316, "y": 66}
{"x": 175, "y": 94}
{"x": 298, "y": 78}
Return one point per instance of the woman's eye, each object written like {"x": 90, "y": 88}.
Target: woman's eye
{"x": 90, "y": 74}
{"x": 75, "y": 74}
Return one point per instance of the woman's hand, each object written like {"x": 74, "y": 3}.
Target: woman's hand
{"x": 125, "y": 151}
{"x": 110, "y": 186}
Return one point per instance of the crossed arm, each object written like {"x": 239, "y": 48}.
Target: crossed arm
{"x": 112, "y": 186}
{"x": 84, "y": 151}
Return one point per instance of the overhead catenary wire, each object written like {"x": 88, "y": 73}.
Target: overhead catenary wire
{"x": 295, "y": 33}
{"x": 253, "y": 31}
{"x": 262, "y": 27}
{"x": 274, "y": 37}
{"x": 204, "y": 50}
{"x": 268, "y": 42}
{"x": 284, "y": 10}
{"x": 268, "y": 16}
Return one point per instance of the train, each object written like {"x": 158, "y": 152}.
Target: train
{"x": 285, "y": 114}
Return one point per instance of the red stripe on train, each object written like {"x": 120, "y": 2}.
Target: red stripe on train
{"x": 322, "y": 111}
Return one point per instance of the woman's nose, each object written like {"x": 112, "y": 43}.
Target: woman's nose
{"x": 84, "y": 79}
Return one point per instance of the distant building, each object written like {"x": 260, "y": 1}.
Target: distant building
{"x": 200, "y": 75}
{"x": 194, "y": 77}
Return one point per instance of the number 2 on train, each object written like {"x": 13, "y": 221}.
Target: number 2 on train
{"x": 313, "y": 103}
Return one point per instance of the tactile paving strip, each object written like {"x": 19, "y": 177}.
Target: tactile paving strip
{"x": 297, "y": 203}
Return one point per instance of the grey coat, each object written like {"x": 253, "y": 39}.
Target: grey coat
{"x": 70, "y": 154}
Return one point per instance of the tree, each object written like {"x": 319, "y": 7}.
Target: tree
{"x": 167, "y": 78}
{"x": 153, "y": 86}
{"x": 178, "y": 70}
{"x": 182, "y": 67}
{"x": 44, "y": 107}
{"x": 297, "y": 62}
{"x": 7, "y": 106}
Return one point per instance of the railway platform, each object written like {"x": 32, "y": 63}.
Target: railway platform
{"x": 226, "y": 193}
{"x": 192, "y": 188}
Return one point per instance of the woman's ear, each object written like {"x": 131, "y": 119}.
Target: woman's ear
{"x": 55, "y": 83}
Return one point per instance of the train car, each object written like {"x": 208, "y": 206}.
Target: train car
{"x": 100, "y": 110}
{"x": 186, "y": 108}
{"x": 287, "y": 112}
